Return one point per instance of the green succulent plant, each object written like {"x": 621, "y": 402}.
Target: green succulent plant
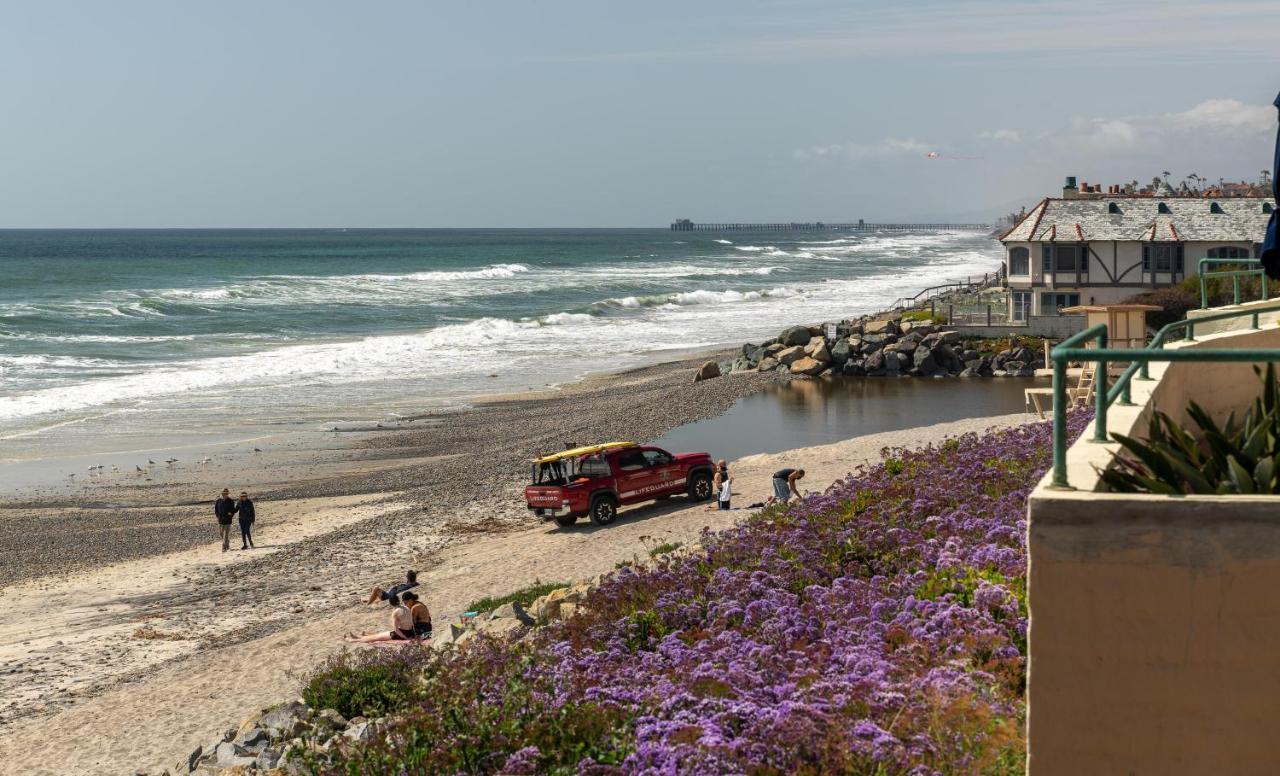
{"x": 1234, "y": 458}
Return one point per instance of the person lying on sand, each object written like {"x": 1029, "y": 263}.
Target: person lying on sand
{"x": 421, "y": 615}
{"x": 401, "y": 626}
{"x": 378, "y": 594}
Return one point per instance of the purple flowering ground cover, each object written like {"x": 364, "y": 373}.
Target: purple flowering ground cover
{"x": 879, "y": 628}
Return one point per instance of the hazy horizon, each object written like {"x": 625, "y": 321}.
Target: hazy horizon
{"x": 323, "y": 115}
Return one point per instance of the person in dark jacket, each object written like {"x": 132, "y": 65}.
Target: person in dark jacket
{"x": 244, "y": 508}
{"x": 223, "y": 509}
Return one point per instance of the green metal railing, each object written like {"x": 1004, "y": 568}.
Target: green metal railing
{"x": 1235, "y": 276}
{"x": 1071, "y": 350}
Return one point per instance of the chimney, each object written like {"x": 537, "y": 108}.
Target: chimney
{"x": 1069, "y": 187}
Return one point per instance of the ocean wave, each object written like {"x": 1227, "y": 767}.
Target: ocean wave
{"x": 699, "y": 297}
{"x": 724, "y": 242}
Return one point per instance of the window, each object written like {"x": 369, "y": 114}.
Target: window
{"x": 1066, "y": 258}
{"x": 656, "y": 458}
{"x": 1019, "y": 261}
{"x": 1021, "y": 305}
{"x": 1214, "y": 207}
{"x": 1163, "y": 257}
{"x": 631, "y": 462}
{"x": 1228, "y": 252}
{"x": 1050, "y": 304}
{"x": 594, "y": 466}
{"x": 1113, "y": 207}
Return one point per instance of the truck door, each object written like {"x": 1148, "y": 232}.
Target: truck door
{"x": 666, "y": 474}
{"x": 634, "y": 476}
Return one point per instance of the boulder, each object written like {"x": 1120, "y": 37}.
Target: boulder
{"x": 973, "y": 363}
{"x": 795, "y": 335}
{"x": 513, "y": 610}
{"x": 254, "y": 736}
{"x": 907, "y": 343}
{"x": 817, "y": 350}
{"x": 567, "y": 609}
{"x": 328, "y": 718}
{"x": 968, "y": 372}
{"x": 707, "y": 371}
{"x": 268, "y": 759}
{"x": 807, "y": 366}
{"x": 880, "y": 327}
{"x": 767, "y": 364}
{"x": 1014, "y": 368}
{"x": 228, "y": 755}
{"x": 286, "y": 720}
{"x": 840, "y": 351}
{"x": 361, "y": 732}
{"x": 892, "y": 361}
{"x": 854, "y": 367}
{"x": 791, "y": 354}
{"x": 741, "y": 365}
{"x": 875, "y": 363}
{"x": 923, "y": 328}
{"x": 499, "y": 627}
{"x": 773, "y": 349}
{"x": 924, "y": 366}
{"x": 188, "y": 764}
{"x": 950, "y": 337}
{"x": 969, "y": 354}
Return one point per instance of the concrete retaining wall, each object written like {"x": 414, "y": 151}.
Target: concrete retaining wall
{"x": 1154, "y": 639}
{"x": 1051, "y": 326}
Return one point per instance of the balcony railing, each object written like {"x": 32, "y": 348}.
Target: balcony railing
{"x": 1235, "y": 275}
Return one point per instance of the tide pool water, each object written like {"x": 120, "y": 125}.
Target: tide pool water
{"x": 113, "y": 339}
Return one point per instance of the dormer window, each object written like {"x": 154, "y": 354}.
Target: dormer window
{"x": 1113, "y": 208}
{"x": 1214, "y": 207}
{"x": 1266, "y": 207}
{"x": 1163, "y": 208}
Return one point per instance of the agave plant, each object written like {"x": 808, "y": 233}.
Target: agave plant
{"x": 1234, "y": 458}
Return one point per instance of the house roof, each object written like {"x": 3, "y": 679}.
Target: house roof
{"x": 1189, "y": 219}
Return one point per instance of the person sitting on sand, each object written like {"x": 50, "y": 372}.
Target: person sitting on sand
{"x": 784, "y": 484}
{"x": 378, "y": 594}
{"x": 401, "y": 625}
{"x": 421, "y": 615}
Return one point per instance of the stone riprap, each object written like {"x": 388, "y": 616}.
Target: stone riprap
{"x": 879, "y": 348}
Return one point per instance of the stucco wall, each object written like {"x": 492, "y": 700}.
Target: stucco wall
{"x": 1052, "y": 326}
{"x": 1154, "y": 641}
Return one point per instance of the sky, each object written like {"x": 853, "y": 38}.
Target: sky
{"x": 585, "y": 113}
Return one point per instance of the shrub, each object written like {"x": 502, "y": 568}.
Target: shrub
{"x": 664, "y": 548}
{"x": 876, "y": 628}
{"x": 524, "y": 596}
{"x": 1239, "y": 459}
{"x": 1174, "y": 303}
{"x": 367, "y": 683}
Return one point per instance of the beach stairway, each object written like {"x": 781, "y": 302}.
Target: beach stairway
{"x": 1083, "y": 394}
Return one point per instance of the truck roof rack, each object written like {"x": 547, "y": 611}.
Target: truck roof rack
{"x": 581, "y": 451}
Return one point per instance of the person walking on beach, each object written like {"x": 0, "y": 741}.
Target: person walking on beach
{"x": 784, "y": 484}
{"x": 223, "y": 509}
{"x": 244, "y": 508}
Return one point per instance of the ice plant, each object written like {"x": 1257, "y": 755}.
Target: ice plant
{"x": 879, "y": 627}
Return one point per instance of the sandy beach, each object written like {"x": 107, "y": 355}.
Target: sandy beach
{"x": 127, "y": 664}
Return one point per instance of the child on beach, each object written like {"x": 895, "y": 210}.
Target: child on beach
{"x": 378, "y": 594}
{"x": 401, "y": 626}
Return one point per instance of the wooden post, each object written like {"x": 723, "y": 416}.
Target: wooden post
{"x": 951, "y": 314}
{"x": 1046, "y": 354}
{"x": 988, "y": 315}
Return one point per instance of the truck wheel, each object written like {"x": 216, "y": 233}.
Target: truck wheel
{"x": 700, "y": 487}
{"x": 566, "y": 521}
{"x": 604, "y": 510}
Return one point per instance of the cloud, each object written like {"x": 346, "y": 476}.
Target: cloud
{"x": 1003, "y": 135}
{"x": 889, "y": 147}
{"x": 1204, "y": 122}
{"x": 1225, "y": 117}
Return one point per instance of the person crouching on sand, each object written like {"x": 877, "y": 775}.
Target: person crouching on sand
{"x": 401, "y": 625}
{"x": 223, "y": 509}
{"x": 411, "y": 581}
{"x": 246, "y": 515}
{"x": 784, "y": 484}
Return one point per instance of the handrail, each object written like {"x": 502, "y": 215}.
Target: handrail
{"x": 1235, "y": 276}
{"x": 1067, "y": 350}
{"x": 903, "y": 302}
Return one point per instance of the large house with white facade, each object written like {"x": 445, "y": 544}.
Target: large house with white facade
{"x": 1106, "y": 248}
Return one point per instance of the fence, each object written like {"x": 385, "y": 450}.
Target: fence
{"x": 1138, "y": 359}
{"x": 1235, "y": 276}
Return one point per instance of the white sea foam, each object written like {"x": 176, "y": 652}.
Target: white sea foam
{"x": 725, "y": 242}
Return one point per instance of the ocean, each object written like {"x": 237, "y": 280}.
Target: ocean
{"x": 116, "y": 339}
